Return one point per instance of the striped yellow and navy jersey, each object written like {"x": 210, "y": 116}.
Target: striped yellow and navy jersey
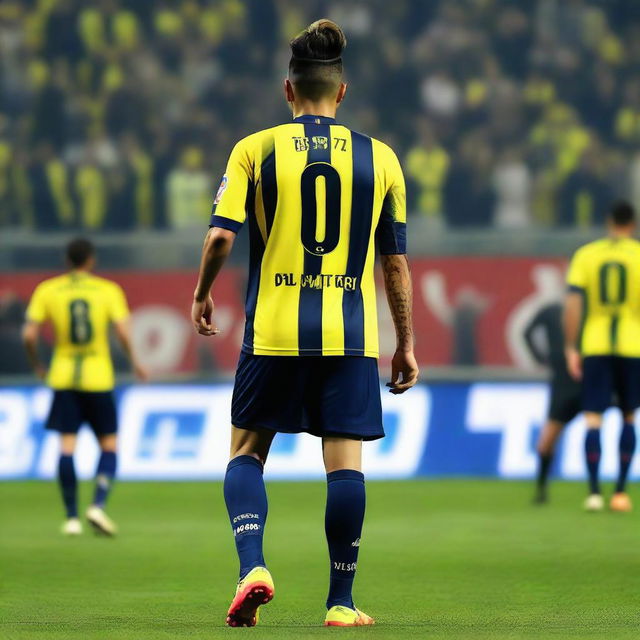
{"x": 607, "y": 271}
{"x": 80, "y": 306}
{"x": 318, "y": 197}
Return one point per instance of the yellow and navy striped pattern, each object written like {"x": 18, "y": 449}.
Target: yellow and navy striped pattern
{"x": 80, "y": 306}
{"x": 318, "y": 197}
{"x": 607, "y": 271}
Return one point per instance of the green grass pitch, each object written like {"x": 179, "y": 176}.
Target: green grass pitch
{"x": 439, "y": 559}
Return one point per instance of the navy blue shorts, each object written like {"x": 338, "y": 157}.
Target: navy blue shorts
{"x": 321, "y": 395}
{"x": 609, "y": 381}
{"x": 71, "y": 409}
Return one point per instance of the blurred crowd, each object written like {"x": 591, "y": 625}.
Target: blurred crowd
{"x": 119, "y": 114}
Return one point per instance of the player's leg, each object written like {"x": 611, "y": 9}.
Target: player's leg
{"x": 546, "y": 447}
{"x": 246, "y": 500}
{"x": 69, "y": 484}
{"x": 347, "y": 411}
{"x": 99, "y": 411}
{"x": 344, "y": 517}
{"x": 245, "y": 494}
{"x": 564, "y": 406}
{"x": 627, "y": 383}
{"x": 597, "y": 393}
{"x": 64, "y": 417}
{"x": 593, "y": 453}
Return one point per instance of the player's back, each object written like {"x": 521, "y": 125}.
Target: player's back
{"x": 317, "y": 195}
{"x": 608, "y": 271}
{"x": 80, "y": 307}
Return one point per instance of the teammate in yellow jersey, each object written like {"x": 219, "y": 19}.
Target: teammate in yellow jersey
{"x": 81, "y": 307}
{"x": 318, "y": 198}
{"x": 604, "y": 292}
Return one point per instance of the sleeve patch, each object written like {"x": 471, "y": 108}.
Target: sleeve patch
{"x": 221, "y": 189}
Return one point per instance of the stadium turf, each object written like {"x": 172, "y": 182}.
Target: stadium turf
{"x": 439, "y": 559}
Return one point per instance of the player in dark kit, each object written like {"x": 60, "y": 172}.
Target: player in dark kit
{"x": 318, "y": 198}
{"x": 545, "y": 340}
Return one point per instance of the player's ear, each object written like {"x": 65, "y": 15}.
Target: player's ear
{"x": 288, "y": 91}
{"x": 341, "y": 92}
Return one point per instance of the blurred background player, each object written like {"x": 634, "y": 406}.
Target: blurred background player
{"x": 81, "y": 307}
{"x": 604, "y": 288}
{"x": 545, "y": 341}
{"x": 317, "y": 197}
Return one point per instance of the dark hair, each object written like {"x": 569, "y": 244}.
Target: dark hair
{"x": 315, "y": 67}
{"x": 622, "y": 214}
{"x": 79, "y": 251}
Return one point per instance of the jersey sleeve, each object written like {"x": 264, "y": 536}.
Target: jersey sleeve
{"x": 229, "y": 206}
{"x": 37, "y": 308}
{"x": 577, "y": 275}
{"x": 391, "y": 233}
{"x": 118, "y": 307}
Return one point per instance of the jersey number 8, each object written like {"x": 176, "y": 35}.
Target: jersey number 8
{"x": 81, "y": 329}
{"x": 332, "y": 187}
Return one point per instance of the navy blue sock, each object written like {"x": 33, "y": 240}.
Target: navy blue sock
{"x": 68, "y": 485}
{"x": 104, "y": 477}
{"x": 592, "y": 450}
{"x": 246, "y": 500}
{"x": 627, "y": 447}
{"x": 343, "y": 526}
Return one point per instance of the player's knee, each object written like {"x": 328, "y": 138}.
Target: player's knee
{"x": 68, "y": 444}
{"x": 108, "y": 443}
{"x": 245, "y": 442}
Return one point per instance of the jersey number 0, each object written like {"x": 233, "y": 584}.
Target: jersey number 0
{"x": 310, "y": 208}
{"x": 613, "y": 294}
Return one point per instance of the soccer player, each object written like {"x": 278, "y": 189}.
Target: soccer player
{"x": 81, "y": 307}
{"x": 604, "y": 286}
{"x": 318, "y": 198}
{"x": 545, "y": 341}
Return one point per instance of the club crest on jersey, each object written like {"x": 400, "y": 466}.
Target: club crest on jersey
{"x": 221, "y": 189}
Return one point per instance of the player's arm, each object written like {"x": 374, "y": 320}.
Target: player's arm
{"x": 217, "y": 246}
{"x": 30, "y": 336}
{"x": 572, "y": 321}
{"x": 120, "y": 317}
{"x": 538, "y": 355}
{"x": 399, "y": 290}
{"x": 123, "y": 334}
{"x": 35, "y": 315}
{"x": 392, "y": 246}
{"x": 572, "y": 314}
{"x": 227, "y": 218}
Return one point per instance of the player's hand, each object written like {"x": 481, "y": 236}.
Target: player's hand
{"x": 41, "y": 371}
{"x": 574, "y": 363}
{"x": 201, "y": 317}
{"x": 403, "y": 362}
{"x": 141, "y": 372}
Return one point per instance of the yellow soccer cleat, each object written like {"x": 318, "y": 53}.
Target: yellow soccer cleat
{"x": 344, "y": 617}
{"x": 620, "y": 502}
{"x": 255, "y": 589}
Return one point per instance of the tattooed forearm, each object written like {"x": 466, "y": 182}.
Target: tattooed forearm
{"x": 397, "y": 282}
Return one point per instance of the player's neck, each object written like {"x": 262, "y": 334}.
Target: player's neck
{"x": 326, "y": 109}
{"x": 620, "y": 234}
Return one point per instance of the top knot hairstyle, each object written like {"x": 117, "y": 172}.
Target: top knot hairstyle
{"x": 315, "y": 68}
